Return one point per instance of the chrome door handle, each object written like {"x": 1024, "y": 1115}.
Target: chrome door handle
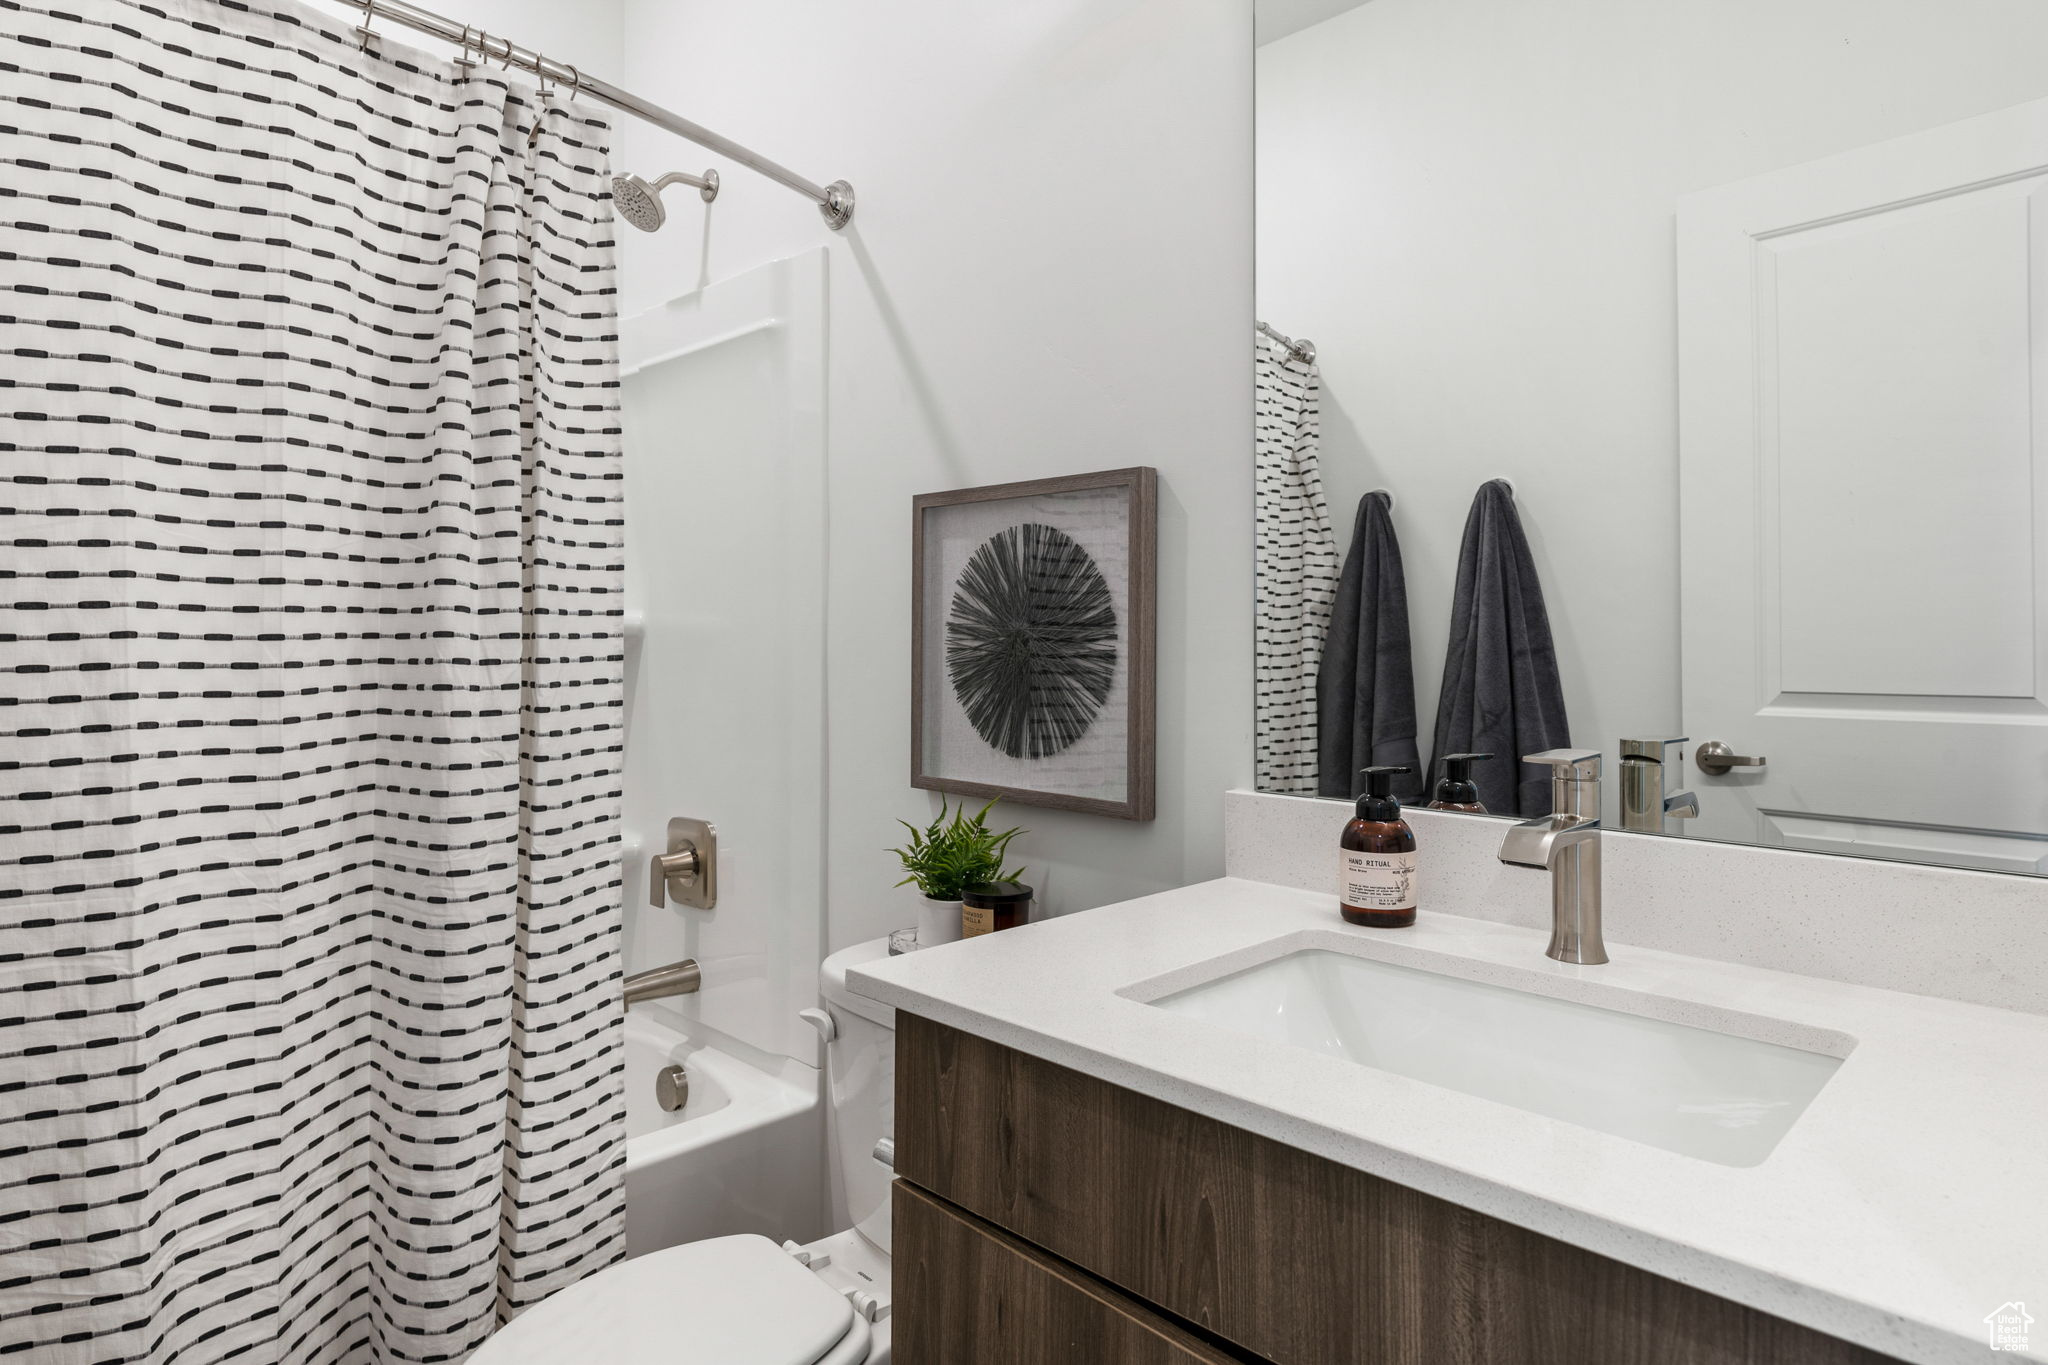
{"x": 1716, "y": 758}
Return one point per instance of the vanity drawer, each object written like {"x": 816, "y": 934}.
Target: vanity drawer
{"x": 965, "y": 1291}
{"x": 1294, "y": 1258}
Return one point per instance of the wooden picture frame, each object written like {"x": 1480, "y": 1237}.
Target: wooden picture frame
{"x": 943, "y": 756}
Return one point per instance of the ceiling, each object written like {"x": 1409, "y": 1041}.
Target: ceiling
{"x": 1275, "y": 19}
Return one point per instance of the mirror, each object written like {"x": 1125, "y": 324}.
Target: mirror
{"x": 1731, "y": 307}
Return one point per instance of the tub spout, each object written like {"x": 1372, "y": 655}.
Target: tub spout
{"x": 677, "y": 978}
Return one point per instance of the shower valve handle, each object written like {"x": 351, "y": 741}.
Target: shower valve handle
{"x": 665, "y": 868}
{"x": 688, "y": 872}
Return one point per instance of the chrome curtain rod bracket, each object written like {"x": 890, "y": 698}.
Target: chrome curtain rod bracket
{"x": 835, "y": 201}
{"x": 1303, "y": 350}
{"x": 837, "y": 205}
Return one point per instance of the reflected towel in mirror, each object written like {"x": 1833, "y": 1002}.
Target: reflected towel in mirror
{"x": 1501, "y": 691}
{"x": 1365, "y": 688}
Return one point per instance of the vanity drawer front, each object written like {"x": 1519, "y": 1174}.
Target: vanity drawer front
{"x": 964, "y": 1291}
{"x": 1295, "y": 1258}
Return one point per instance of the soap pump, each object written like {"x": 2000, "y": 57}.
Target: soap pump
{"x": 1456, "y": 790}
{"x": 1377, "y": 880}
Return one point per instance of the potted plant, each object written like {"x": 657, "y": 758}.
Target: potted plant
{"x": 946, "y": 856}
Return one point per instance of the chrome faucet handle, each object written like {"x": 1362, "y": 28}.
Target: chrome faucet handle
{"x": 1657, "y": 750}
{"x": 1569, "y": 765}
{"x": 688, "y": 871}
{"x": 663, "y": 869}
{"x": 1681, "y": 805}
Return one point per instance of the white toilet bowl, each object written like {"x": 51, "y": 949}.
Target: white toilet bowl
{"x": 744, "y": 1300}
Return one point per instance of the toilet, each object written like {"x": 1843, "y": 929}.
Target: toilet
{"x": 745, "y": 1300}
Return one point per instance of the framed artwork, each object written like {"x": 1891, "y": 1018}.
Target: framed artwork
{"x": 1033, "y": 612}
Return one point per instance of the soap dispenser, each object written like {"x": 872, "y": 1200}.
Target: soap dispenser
{"x": 1456, "y": 790}
{"x": 1377, "y": 880}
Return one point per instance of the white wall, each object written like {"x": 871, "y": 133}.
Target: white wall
{"x": 1050, "y": 272}
{"x": 1467, "y": 205}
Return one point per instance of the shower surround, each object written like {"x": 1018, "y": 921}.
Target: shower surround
{"x": 311, "y": 711}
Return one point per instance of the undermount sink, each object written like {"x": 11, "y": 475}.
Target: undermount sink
{"x": 1712, "y": 1095}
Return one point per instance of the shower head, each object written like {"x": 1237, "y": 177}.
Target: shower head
{"x": 639, "y": 203}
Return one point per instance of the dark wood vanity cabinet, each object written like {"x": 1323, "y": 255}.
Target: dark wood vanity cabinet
{"x": 989, "y": 1298}
{"x": 1042, "y": 1215}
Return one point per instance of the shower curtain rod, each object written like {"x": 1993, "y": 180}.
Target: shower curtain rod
{"x": 1304, "y": 350}
{"x": 834, "y": 201}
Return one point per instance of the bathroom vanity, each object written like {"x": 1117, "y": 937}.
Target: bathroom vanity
{"x": 1018, "y": 1178}
{"x": 1219, "y": 1125}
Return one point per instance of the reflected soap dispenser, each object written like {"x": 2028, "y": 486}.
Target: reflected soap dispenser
{"x": 1456, "y": 790}
{"x": 1377, "y": 880}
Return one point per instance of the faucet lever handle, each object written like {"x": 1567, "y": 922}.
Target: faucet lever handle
{"x": 680, "y": 867}
{"x": 1658, "y": 750}
{"x": 688, "y": 871}
{"x": 1570, "y": 765}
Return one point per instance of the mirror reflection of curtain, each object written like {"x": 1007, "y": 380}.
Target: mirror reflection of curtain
{"x": 1296, "y": 564}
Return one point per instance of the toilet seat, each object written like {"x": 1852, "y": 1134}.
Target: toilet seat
{"x": 723, "y": 1301}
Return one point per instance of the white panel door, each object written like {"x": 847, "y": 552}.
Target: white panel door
{"x": 1862, "y": 444}
{"x": 725, "y": 569}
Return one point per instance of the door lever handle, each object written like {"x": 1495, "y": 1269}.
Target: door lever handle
{"x": 1716, "y": 758}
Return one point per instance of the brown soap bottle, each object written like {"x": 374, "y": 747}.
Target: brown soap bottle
{"x": 1377, "y": 880}
{"x": 1456, "y": 790}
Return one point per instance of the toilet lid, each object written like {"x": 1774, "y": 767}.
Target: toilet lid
{"x": 725, "y": 1301}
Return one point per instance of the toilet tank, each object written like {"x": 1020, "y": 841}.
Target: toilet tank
{"x": 860, "y": 1090}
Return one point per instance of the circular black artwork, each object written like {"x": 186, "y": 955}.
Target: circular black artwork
{"x": 1031, "y": 640}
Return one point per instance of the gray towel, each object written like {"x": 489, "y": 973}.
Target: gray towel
{"x": 1365, "y": 689}
{"x": 1501, "y": 689}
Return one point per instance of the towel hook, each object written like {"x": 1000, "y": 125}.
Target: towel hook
{"x": 1390, "y": 496}
{"x": 1502, "y": 478}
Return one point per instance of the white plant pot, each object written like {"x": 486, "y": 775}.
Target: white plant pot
{"x": 937, "y": 921}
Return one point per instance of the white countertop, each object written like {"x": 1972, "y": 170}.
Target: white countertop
{"x": 1907, "y": 1203}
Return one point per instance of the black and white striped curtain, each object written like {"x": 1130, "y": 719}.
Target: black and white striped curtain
{"x": 310, "y": 691}
{"x": 1294, "y": 568}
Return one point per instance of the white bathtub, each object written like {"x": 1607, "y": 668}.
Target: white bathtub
{"x": 745, "y": 1154}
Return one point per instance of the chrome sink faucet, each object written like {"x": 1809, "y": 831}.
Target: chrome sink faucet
{"x": 1567, "y": 841}
{"x": 1651, "y": 769}
{"x": 677, "y": 978}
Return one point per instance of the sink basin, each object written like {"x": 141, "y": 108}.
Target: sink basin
{"x": 1706, "y": 1094}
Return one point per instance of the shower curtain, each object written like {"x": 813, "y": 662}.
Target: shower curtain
{"x": 310, "y": 691}
{"x": 1294, "y": 570}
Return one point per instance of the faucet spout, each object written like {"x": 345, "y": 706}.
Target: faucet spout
{"x": 1537, "y": 842}
{"x": 1567, "y": 843}
{"x": 677, "y": 978}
